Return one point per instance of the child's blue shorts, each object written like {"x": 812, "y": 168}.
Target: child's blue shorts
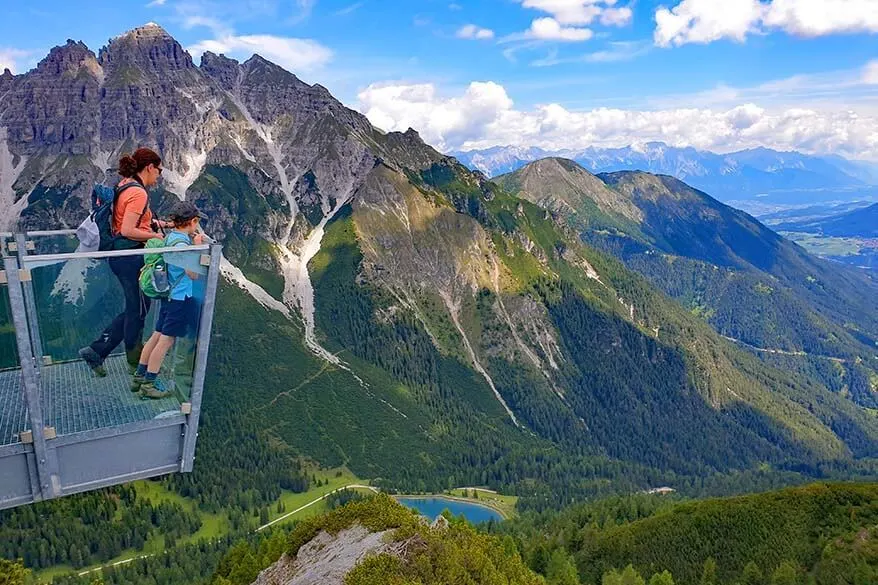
{"x": 177, "y": 318}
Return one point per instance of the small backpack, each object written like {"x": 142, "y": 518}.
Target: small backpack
{"x": 154, "y": 280}
{"x": 96, "y": 231}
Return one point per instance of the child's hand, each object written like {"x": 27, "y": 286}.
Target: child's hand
{"x": 198, "y": 239}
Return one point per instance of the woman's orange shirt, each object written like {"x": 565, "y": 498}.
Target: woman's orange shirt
{"x": 132, "y": 199}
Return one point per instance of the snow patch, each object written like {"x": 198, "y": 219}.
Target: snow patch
{"x": 179, "y": 183}
{"x": 240, "y": 144}
{"x": 453, "y": 310}
{"x": 101, "y": 159}
{"x": 235, "y": 276}
{"x": 10, "y": 209}
{"x": 298, "y": 288}
{"x": 71, "y": 282}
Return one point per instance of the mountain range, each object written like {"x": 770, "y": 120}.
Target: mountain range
{"x": 555, "y": 333}
{"x": 769, "y": 176}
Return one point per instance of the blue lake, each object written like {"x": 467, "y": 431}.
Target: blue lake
{"x": 434, "y": 506}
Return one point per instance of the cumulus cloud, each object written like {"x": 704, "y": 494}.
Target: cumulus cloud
{"x": 582, "y": 12}
{"x": 484, "y": 115}
{"x": 296, "y": 55}
{"x": 471, "y": 31}
{"x": 705, "y": 21}
{"x": 549, "y": 29}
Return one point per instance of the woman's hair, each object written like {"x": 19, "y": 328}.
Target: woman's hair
{"x": 130, "y": 165}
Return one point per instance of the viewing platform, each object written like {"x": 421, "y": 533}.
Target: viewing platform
{"x": 63, "y": 429}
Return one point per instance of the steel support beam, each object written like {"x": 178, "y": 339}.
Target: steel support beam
{"x": 50, "y": 484}
{"x": 190, "y": 434}
{"x": 31, "y": 306}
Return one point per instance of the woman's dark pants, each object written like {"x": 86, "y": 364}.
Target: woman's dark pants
{"x": 128, "y": 325}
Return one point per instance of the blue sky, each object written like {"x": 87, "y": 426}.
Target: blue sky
{"x": 554, "y": 73}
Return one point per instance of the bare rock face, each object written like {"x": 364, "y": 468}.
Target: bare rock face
{"x": 326, "y": 559}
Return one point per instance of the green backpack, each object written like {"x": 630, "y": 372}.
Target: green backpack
{"x": 154, "y": 280}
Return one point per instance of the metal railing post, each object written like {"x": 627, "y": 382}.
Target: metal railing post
{"x": 30, "y": 305}
{"x": 50, "y": 483}
{"x": 201, "y": 352}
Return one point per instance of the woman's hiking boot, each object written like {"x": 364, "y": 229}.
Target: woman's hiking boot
{"x": 137, "y": 382}
{"x": 94, "y": 361}
{"x": 132, "y": 356}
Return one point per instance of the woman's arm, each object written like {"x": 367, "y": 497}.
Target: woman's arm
{"x": 132, "y": 232}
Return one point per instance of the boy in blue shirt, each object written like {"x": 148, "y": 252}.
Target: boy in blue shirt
{"x": 177, "y": 312}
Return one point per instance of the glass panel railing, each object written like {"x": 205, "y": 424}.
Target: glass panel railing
{"x": 13, "y": 413}
{"x": 79, "y": 302}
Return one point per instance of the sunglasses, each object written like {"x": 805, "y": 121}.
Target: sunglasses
{"x": 159, "y": 169}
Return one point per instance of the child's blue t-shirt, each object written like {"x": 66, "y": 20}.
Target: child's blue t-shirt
{"x": 183, "y": 285}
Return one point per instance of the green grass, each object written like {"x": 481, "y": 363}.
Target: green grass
{"x": 212, "y": 525}
{"x": 336, "y": 478}
{"x": 825, "y": 245}
{"x": 500, "y": 502}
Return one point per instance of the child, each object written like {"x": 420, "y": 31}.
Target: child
{"x": 177, "y": 312}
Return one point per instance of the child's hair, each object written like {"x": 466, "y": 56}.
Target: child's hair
{"x": 181, "y": 221}
{"x": 183, "y": 213}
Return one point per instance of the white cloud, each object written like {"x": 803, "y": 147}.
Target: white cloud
{"x": 549, "y": 29}
{"x": 617, "y": 16}
{"x": 11, "y": 59}
{"x": 155, "y": 3}
{"x": 484, "y": 115}
{"x": 870, "y": 73}
{"x": 471, "y": 31}
{"x": 296, "y": 55}
{"x": 811, "y": 18}
{"x": 582, "y": 12}
{"x": 705, "y": 21}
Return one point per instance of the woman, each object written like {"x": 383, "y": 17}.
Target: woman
{"x": 132, "y": 225}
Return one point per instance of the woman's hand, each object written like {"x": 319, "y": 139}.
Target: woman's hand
{"x": 198, "y": 239}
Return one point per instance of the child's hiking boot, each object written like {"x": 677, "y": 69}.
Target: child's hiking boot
{"x": 94, "y": 361}
{"x": 153, "y": 389}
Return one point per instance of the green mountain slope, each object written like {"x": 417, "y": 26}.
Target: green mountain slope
{"x": 748, "y": 282}
{"x": 825, "y": 531}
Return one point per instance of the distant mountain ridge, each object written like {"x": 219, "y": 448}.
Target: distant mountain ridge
{"x": 741, "y": 175}
{"x": 859, "y": 223}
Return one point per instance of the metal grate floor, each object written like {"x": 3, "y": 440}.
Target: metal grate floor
{"x": 13, "y": 414}
{"x": 74, "y": 400}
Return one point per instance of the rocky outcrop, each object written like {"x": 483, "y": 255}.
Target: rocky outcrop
{"x": 327, "y": 558}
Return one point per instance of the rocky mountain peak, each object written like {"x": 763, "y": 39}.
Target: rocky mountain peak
{"x": 66, "y": 58}
{"x": 220, "y": 68}
{"x": 148, "y": 48}
{"x": 562, "y": 185}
